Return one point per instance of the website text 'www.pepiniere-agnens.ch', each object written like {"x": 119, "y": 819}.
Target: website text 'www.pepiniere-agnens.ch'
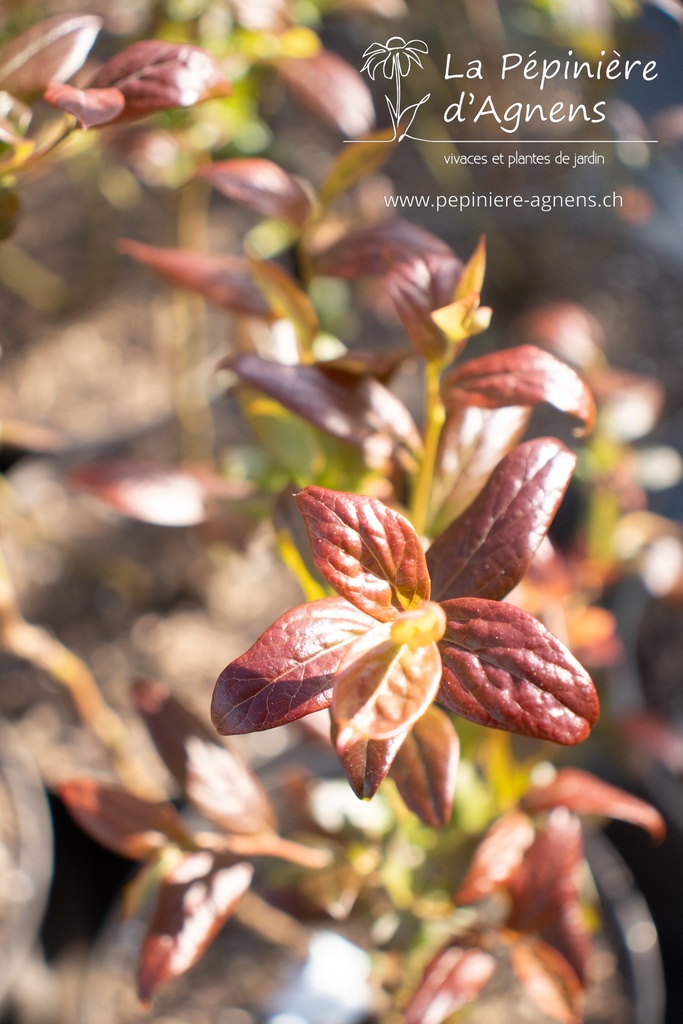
{"x": 501, "y": 201}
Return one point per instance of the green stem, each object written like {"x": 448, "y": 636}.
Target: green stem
{"x": 435, "y": 415}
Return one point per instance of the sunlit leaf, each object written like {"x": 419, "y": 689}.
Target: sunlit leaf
{"x": 367, "y": 762}
{"x": 565, "y": 329}
{"x": 425, "y": 768}
{"x": 418, "y": 287}
{"x": 381, "y": 687}
{"x": 472, "y": 279}
{"x": 488, "y": 549}
{"x": 355, "y": 162}
{"x": 194, "y": 901}
{"x": 330, "y": 87}
{"x": 223, "y": 279}
{"x": 548, "y": 980}
{"x": 217, "y": 782}
{"x": 286, "y": 298}
{"x": 545, "y": 890}
{"x": 90, "y": 107}
{"x": 262, "y": 186}
{"x": 121, "y": 821}
{"x": 452, "y": 979}
{"x": 368, "y": 252}
{"x": 355, "y": 409}
{"x": 50, "y": 51}
{"x": 287, "y": 673}
{"x": 368, "y": 552}
{"x": 547, "y": 878}
{"x": 503, "y": 668}
{"x": 155, "y": 75}
{"x": 144, "y": 490}
{"x": 472, "y": 443}
{"x": 584, "y": 793}
{"x": 497, "y": 858}
{"x": 520, "y": 376}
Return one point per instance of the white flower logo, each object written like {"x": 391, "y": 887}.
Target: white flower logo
{"x": 395, "y": 58}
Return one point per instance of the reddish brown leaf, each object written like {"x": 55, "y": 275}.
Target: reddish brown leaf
{"x": 144, "y": 490}
{"x": 488, "y": 549}
{"x": 194, "y": 901}
{"x": 454, "y": 978}
{"x": 381, "y": 688}
{"x": 332, "y": 89}
{"x": 546, "y": 881}
{"x": 497, "y": 858}
{"x": 549, "y": 981}
{"x": 287, "y": 673}
{"x": 261, "y": 185}
{"x": 368, "y": 552}
{"x": 472, "y": 443}
{"x": 418, "y": 287}
{"x": 222, "y": 279}
{"x": 520, "y": 376}
{"x": 425, "y": 768}
{"x": 503, "y": 668}
{"x": 368, "y": 252}
{"x": 90, "y": 107}
{"x": 357, "y": 410}
{"x": 545, "y": 890}
{"x": 50, "y": 51}
{"x": 367, "y": 762}
{"x": 583, "y": 793}
{"x": 217, "y": 782}
{"x": 123, "y": 822}
{"x": 155, "y": 75}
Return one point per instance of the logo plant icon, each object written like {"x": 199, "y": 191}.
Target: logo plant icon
{"x": 395, "y": 58}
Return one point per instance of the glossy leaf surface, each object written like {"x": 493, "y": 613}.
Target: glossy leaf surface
{"x": 224, "y": 280}
{"x": 524, "y": 375}
{"x": 487, "y": 551}
{"x": 368, "y": 252}
{"x": 454, "y": 978}
{"x": 194, "y": 901}
{"x": 584, "y": 793}
{"x": 154, "y": 75}
{"x": 381, "y": 688}
{"x": 50, "y": 51}
{"x": 262, "y": 186}
{"x": 497, "y": 858}
{"x": 287, "y": 673}
{"x": 418, "y": 287}
{"x": 217, "y": 782}
{"x": 426, "y": 766}
{"x": 333, "y": 89}
{"x": 357, "y": 410}
{"x": 369, "y": 553}
{"x": 503, "y": 668}
{"x": 121, "y": 821}
{"x": 367, "y": 762}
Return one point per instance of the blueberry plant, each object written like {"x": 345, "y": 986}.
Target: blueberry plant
{"x": 410, "y": 533}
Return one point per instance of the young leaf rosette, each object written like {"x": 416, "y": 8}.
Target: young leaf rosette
{"x": 408, "y": 629}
